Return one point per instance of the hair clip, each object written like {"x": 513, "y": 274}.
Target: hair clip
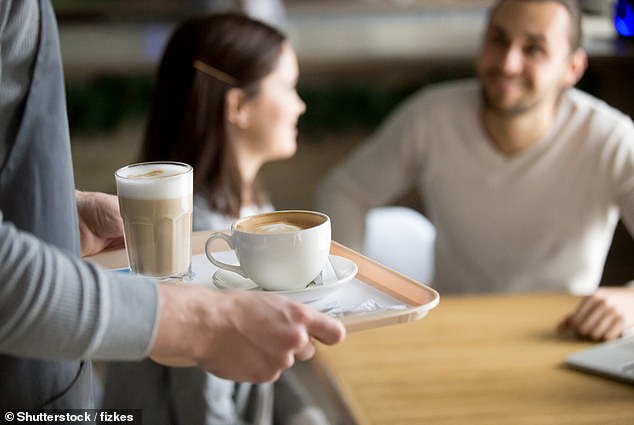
{"x": 215, "y": 72}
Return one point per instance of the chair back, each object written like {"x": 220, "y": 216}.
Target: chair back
{"x": 402, "y": 239}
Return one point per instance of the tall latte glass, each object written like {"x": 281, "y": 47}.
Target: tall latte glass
{"x": 155, "y": 200}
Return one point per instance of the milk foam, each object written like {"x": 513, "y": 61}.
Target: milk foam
{"x": 154, "y": 181}
{"x": 278, "y": 228}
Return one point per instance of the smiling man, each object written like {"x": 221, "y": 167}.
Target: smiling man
{"x": 524, "y": 65}
{"x": 523, "y": 175}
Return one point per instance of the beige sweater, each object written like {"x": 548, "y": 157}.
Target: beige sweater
{"x": 542, "y": 220}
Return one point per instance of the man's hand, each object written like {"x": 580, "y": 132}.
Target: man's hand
{"x": 603, "y": 315}
{"x": 100, "y": 224}
{"x": 238, "y": 335}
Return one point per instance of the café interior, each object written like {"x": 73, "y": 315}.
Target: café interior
{"x": 470, "y": 359}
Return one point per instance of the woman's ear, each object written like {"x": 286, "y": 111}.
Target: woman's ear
{"x": 576, "y": 67}
{"x": 236, "y": 107}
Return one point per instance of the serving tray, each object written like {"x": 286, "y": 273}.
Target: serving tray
{"x": 377, "y": 296}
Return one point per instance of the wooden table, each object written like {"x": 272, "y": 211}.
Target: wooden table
{"x": 474, "y": 360}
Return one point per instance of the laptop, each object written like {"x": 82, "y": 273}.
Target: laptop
{"x": 613, "y": 359}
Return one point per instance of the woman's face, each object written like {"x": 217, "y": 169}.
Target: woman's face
{"x": 270, "y": 130}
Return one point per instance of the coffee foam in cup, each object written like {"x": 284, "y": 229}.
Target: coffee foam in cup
{"x": 154, "y": 181}
{"x": 280, "y": 227}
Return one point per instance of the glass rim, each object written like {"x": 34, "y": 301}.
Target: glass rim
{"x": 187, "y": 168}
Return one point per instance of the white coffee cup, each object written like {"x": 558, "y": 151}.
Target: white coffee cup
{"x": 281, "y": 250}
{"x": 156, "y": 204}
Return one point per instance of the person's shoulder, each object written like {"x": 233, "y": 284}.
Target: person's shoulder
{"x": 450, "y": 89}
{"x": 595, "y": 120}
{"x": 591, "y": 106}
{"x": 447, "y": 94}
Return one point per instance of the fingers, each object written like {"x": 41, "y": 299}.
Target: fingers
{"x": 118, "y": 242}
{"x": 314, "y": 325}
{"x": 565, "y": 328}
{"x": 616, "y": 329}
{"x": 308, "y": 325}
{"x": 325, "y": 329}
{"x": 306, "y": 352}
{"x": 595, "y": 318}
{"x": 317, "y": 326}
{"x": 584, "y": 310}
{"x": 253, "y": 337}
{"x": 259, "y": 374}
{"x": 100, "y": 224}
{"x": 304, "y": 326}
{"x": 605, "y": 320}
{"x": 591, "y": 317}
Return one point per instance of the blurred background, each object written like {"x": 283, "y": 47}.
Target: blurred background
{"x": 358, "y": 59}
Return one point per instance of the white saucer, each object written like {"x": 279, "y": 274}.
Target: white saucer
{"x": 344, "y": 269}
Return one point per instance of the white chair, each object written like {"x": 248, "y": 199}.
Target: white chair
{"x": 402, "y": 239}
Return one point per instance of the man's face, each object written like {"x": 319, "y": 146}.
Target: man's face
{"x": 525, "y": 57}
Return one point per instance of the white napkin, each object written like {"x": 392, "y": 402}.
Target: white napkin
{"x": 326, "y": 275}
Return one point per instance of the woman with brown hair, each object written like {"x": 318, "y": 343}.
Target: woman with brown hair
{"x": 225, "y": 102}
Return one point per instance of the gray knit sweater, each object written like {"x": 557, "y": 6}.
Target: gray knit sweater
{"x": 53, "y": 305}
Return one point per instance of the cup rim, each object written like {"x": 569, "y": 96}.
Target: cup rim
{"x": 187, "y": 169}
{"x": 234, "y": 225}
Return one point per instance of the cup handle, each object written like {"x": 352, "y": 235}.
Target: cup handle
{"x": 230, "y": 267}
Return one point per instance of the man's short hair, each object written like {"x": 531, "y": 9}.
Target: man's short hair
{"x": 574, "y": 10}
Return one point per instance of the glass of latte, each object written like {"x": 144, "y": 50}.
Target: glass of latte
{"x": 155, "y": 200}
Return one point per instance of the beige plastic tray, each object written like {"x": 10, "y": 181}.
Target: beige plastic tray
{"x": 408, "y": 299}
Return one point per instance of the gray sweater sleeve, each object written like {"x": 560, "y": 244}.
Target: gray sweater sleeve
{"x": 56, "y": 306}
{"x": 53, "y": 305}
